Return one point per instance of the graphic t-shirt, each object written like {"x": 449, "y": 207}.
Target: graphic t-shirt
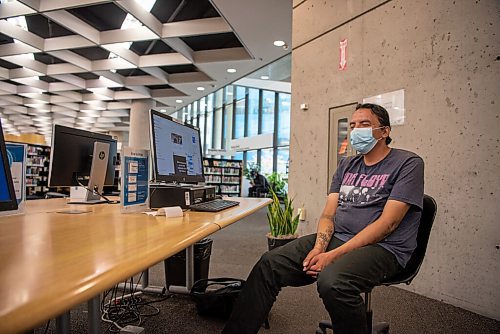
{"x": 364, "y": 190}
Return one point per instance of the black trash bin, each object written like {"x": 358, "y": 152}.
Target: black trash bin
{"x": 175, "y": 266}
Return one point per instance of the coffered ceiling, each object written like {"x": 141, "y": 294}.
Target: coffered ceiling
{"x": 83, "y": 63}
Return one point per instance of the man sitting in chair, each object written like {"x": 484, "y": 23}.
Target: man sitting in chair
{"x": 259, "y": 185}
{"x": 366, "y": 233}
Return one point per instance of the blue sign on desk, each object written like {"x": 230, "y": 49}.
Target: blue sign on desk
{"x": 16, "y": 154}
{"x": 135, "y": 177}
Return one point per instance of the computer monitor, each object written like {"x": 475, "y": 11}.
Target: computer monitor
{"x": 80, "y": 157}
{"x": 176, "y": 150}
{"x": 8, "y": 199}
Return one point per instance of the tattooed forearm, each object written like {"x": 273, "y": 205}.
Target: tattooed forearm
{"x": 323, "y": 238}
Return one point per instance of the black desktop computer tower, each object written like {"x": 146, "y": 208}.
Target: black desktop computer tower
{"x": 163, "y": 195}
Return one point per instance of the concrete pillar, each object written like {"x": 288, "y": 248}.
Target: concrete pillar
{"x": 139, "y": 124}
{"x": 121, "y": 137}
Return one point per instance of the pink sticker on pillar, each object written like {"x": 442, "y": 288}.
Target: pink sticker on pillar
{"x": 343, "y": 55}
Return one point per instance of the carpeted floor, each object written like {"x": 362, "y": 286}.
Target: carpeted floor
{"x": 297, "y": 310}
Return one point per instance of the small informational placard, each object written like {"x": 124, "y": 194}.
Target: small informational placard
{"x": 252, "y": 143}
{"x": 16, "y": 154}
{"x": 393, "y": 102}
{"x": 135, "y": 174}
{"x": 217, "y": 151}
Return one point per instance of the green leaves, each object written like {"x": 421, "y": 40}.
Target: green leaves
{"x": 277, "y": 183}
{"x": 280, "y": 217}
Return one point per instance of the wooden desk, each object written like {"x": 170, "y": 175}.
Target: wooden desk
{"x": 51, "y": 262}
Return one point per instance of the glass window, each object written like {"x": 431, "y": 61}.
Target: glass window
{"x": 195, "y": 113}
{"x": 218, "y": 99}
{"x": 201, "y": 120}
{"x": 266, "y": 161}
{"x": 217, "y": 129}
{"x": 208, "y": 135}
{"x": 342, "y": 138}
{"x": 251, "y": 158}
{"x": 267, "y": 111}
{"x": 202, "y": 129}
{"x": 228, "y": 125}
{"x": 210, "y": 102}
{"x": 253, "y": 112}
{"x": 239, "y": 119}
{"x": 282, "y": 163}
{"x": 189, "y": 115}
{"x": 229, "y": 94}
{"x": 220, "y": 116}
{"x": 203, "y": 105}
{"x": 182, "y": 113}
{"x": 284, "y": 119}
{"x": 240, "y": 93}
{"x": 238, "y": 156}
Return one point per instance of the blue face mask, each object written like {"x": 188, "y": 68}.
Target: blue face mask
{"x": 362, "y": 139}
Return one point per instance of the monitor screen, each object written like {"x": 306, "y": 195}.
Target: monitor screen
{"x": 176, "y": 150}
{"x": 7, "y": 195}
{"x": 71, "y": 156}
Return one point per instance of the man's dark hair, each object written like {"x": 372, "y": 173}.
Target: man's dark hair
{"x": 381, "y": 113}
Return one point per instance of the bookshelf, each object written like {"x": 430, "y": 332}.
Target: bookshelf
{"x": 37, "y": 171}
{"x": 224, "y": 174}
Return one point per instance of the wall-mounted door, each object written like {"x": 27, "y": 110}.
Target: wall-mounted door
{"x": 338, "y": 143}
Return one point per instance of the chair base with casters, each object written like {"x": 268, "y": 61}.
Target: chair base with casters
{"x": 406, "y": 275}
{"x": 377, "y": 328}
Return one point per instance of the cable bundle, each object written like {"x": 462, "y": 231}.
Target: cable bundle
{"x": 126, "y": 309}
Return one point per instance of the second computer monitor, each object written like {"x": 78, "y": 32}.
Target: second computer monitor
{"x": 72, "y": 154}
{"x": 176, "y": 149}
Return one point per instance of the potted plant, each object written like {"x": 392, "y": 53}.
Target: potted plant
{"x": 277, "y": 184}
{"x": 282, "y": 223}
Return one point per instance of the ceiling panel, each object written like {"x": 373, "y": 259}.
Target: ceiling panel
{"x": 47, "y": 59}
{"x": 183, "y": 10}
{"x": 92, "y": 53}
{"x": 45, "y": 28}
{"x": 150, "y": 47}
{"x": 102, "y": 17}
{"x": 212, "y": 42}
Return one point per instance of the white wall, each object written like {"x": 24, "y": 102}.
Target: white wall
{"x": 443, "y": 53}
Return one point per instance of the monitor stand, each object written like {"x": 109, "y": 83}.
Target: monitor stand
{"x": 97, "y": 176}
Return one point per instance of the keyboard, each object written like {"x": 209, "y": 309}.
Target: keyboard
{"x": 214, "y": 206}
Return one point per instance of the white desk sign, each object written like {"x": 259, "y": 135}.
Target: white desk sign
{"x": 252, "y": 143}
{"x": 217, "y": 151}
{"x": 393, "y": 102}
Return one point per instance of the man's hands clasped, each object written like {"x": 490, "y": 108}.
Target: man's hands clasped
{"x": 317, "y": 260}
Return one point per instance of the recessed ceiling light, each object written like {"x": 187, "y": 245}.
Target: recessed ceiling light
{"x": 162, "y": 110}
{"x": 231, "y": 70}
{"x": 264, "y": 77}
{"x": 179, "y": 101}
{"x": 200, "y": 88}
{"x": 279, "y": 43}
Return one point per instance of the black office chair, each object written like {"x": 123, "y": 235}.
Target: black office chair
{"x": 405, "y": 276}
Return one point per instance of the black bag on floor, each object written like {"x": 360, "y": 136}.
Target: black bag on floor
{"x": 215, "y": 296}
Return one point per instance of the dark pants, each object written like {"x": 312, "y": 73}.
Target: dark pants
{"x": 256, "y": 191}
{"x": 339, "y": 284}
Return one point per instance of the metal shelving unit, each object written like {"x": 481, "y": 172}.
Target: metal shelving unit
{"x": 224, "y": 174}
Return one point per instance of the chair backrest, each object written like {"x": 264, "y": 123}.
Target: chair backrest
{"x": 424, "y": 231}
